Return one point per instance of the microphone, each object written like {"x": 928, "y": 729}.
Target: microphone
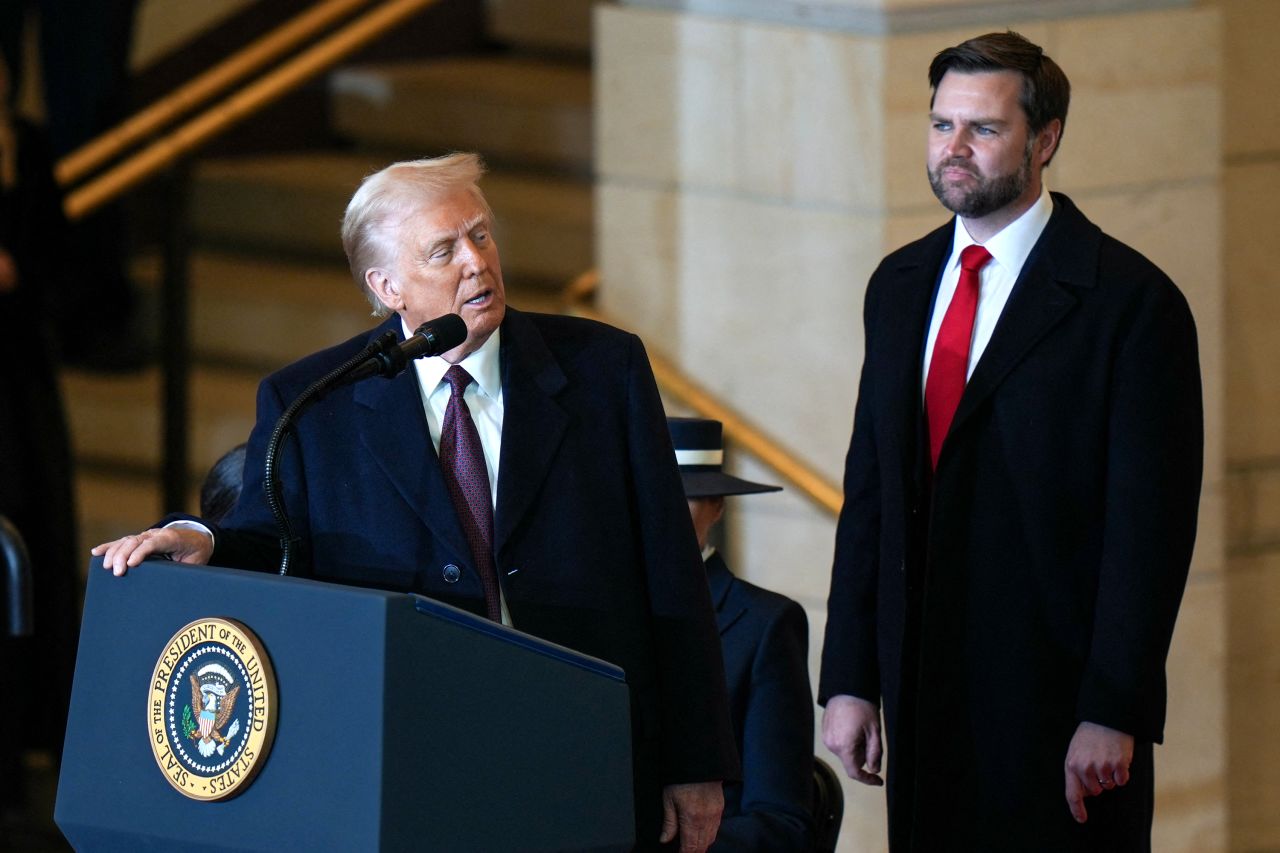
{"x": 431, "y": 338}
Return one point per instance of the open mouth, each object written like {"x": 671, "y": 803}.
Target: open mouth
{"x": 479, "y": 299}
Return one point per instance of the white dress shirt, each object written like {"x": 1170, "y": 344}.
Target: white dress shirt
{"x": 1009, "y": 250}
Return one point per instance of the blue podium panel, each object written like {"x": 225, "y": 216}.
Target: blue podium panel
{"x": 402, "y": 724}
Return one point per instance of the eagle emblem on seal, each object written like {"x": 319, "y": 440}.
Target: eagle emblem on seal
{"x": 213, "y": 693}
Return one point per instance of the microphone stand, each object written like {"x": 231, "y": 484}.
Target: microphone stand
{"x": 275, "y": 500}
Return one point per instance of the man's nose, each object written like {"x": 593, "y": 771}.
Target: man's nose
{"x": 471, "y": 257}
{"x": 958, "y": 144}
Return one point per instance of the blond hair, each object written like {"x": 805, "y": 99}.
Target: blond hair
{"x": 388, "y": 197}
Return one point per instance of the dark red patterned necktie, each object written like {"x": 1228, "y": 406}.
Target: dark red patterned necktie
{"x": 467, "y": 478}
{"x": 950, "y": 363}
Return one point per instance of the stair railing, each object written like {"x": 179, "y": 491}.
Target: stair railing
{"x": 738, "y": 430}
{"x": 234, "y": 109}
{"x": 287, "y": 37}
{"x": 169, "y": 155}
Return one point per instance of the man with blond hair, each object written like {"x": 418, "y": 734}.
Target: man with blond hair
{"x": 569, "y": 523}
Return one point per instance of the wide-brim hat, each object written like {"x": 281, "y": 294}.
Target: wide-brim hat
{"x": 699, "y": 444}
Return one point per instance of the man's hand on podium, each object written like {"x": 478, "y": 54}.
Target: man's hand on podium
{"x": 176, "y": 543}
{"x": 692, "y": 811}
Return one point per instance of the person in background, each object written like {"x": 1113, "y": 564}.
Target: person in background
{"x": 222, "y": 485}
{"x": 84, "y": 50}
{"x": 36, "y": 489}
{"x": 765, "y": 640}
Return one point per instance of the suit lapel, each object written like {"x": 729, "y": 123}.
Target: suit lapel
{"x": 533, "y": 423}
{"x": 720, "y": 581}
{"x": 1042, "y": 297}
{"x": 393, "y": 429}
{"x": 906, "y": 316}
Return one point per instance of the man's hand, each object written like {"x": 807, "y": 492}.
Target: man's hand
{"x": 180, "y": 544}
{"x": 692, "y": 811}
{"x": 851, "y": 730}
{"x": 1098, "y": 760}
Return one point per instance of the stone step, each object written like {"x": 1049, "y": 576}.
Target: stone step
{"x": 292, "y": 204}
{"x": 111, "y": 504}
{"x": 261, "y": 312}
{"x": 115, "y": 420}
{"x": 516, "y": 110}
{"x": 282, "y": 203}
{"x": 115, "y": 424}
{"x": 562, "y": 25}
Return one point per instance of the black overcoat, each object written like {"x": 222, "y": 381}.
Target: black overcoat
{"x": 1033, "y": 581}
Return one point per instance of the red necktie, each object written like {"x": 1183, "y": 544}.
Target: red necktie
{"x": 467, "y": 479}
{"x": 950, "y": 363}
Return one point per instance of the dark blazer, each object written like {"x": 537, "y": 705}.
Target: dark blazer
{"x": 592, "y": 536}
{"x": 1034, "y": 582}
{"x": 765, "y": 638}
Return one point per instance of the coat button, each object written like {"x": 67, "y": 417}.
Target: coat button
{"x": 451, "y": 573}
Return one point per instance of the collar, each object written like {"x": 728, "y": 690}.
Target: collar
{"x": 483, "y": 365}
{"x": 719, "y": 580}
{"x": 1011, "y": 247}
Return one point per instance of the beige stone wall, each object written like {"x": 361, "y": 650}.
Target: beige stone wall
{"x": 1251, "y": 245}
{"x": 751, "y": 175}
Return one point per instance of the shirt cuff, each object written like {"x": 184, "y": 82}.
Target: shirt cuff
{"x": 183, "y": 524}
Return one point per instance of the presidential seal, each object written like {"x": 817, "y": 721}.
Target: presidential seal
{"x": 211, "y": 710}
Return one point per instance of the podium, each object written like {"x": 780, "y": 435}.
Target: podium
{"x": 401, "y": 723}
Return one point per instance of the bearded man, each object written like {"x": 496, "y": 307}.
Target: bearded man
{"x": 1021, "y": 493}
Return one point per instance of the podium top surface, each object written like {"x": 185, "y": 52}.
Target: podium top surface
{"x": 450, "y": 613}
{"x": 300, "y": 592}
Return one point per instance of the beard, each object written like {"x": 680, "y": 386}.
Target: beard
{"x": 989, "y": 195}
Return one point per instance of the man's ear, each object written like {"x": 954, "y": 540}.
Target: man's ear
{"x": 1047, "y": 141}
{"x": 384, "y": 287}
{"x": 717, "y": 504}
